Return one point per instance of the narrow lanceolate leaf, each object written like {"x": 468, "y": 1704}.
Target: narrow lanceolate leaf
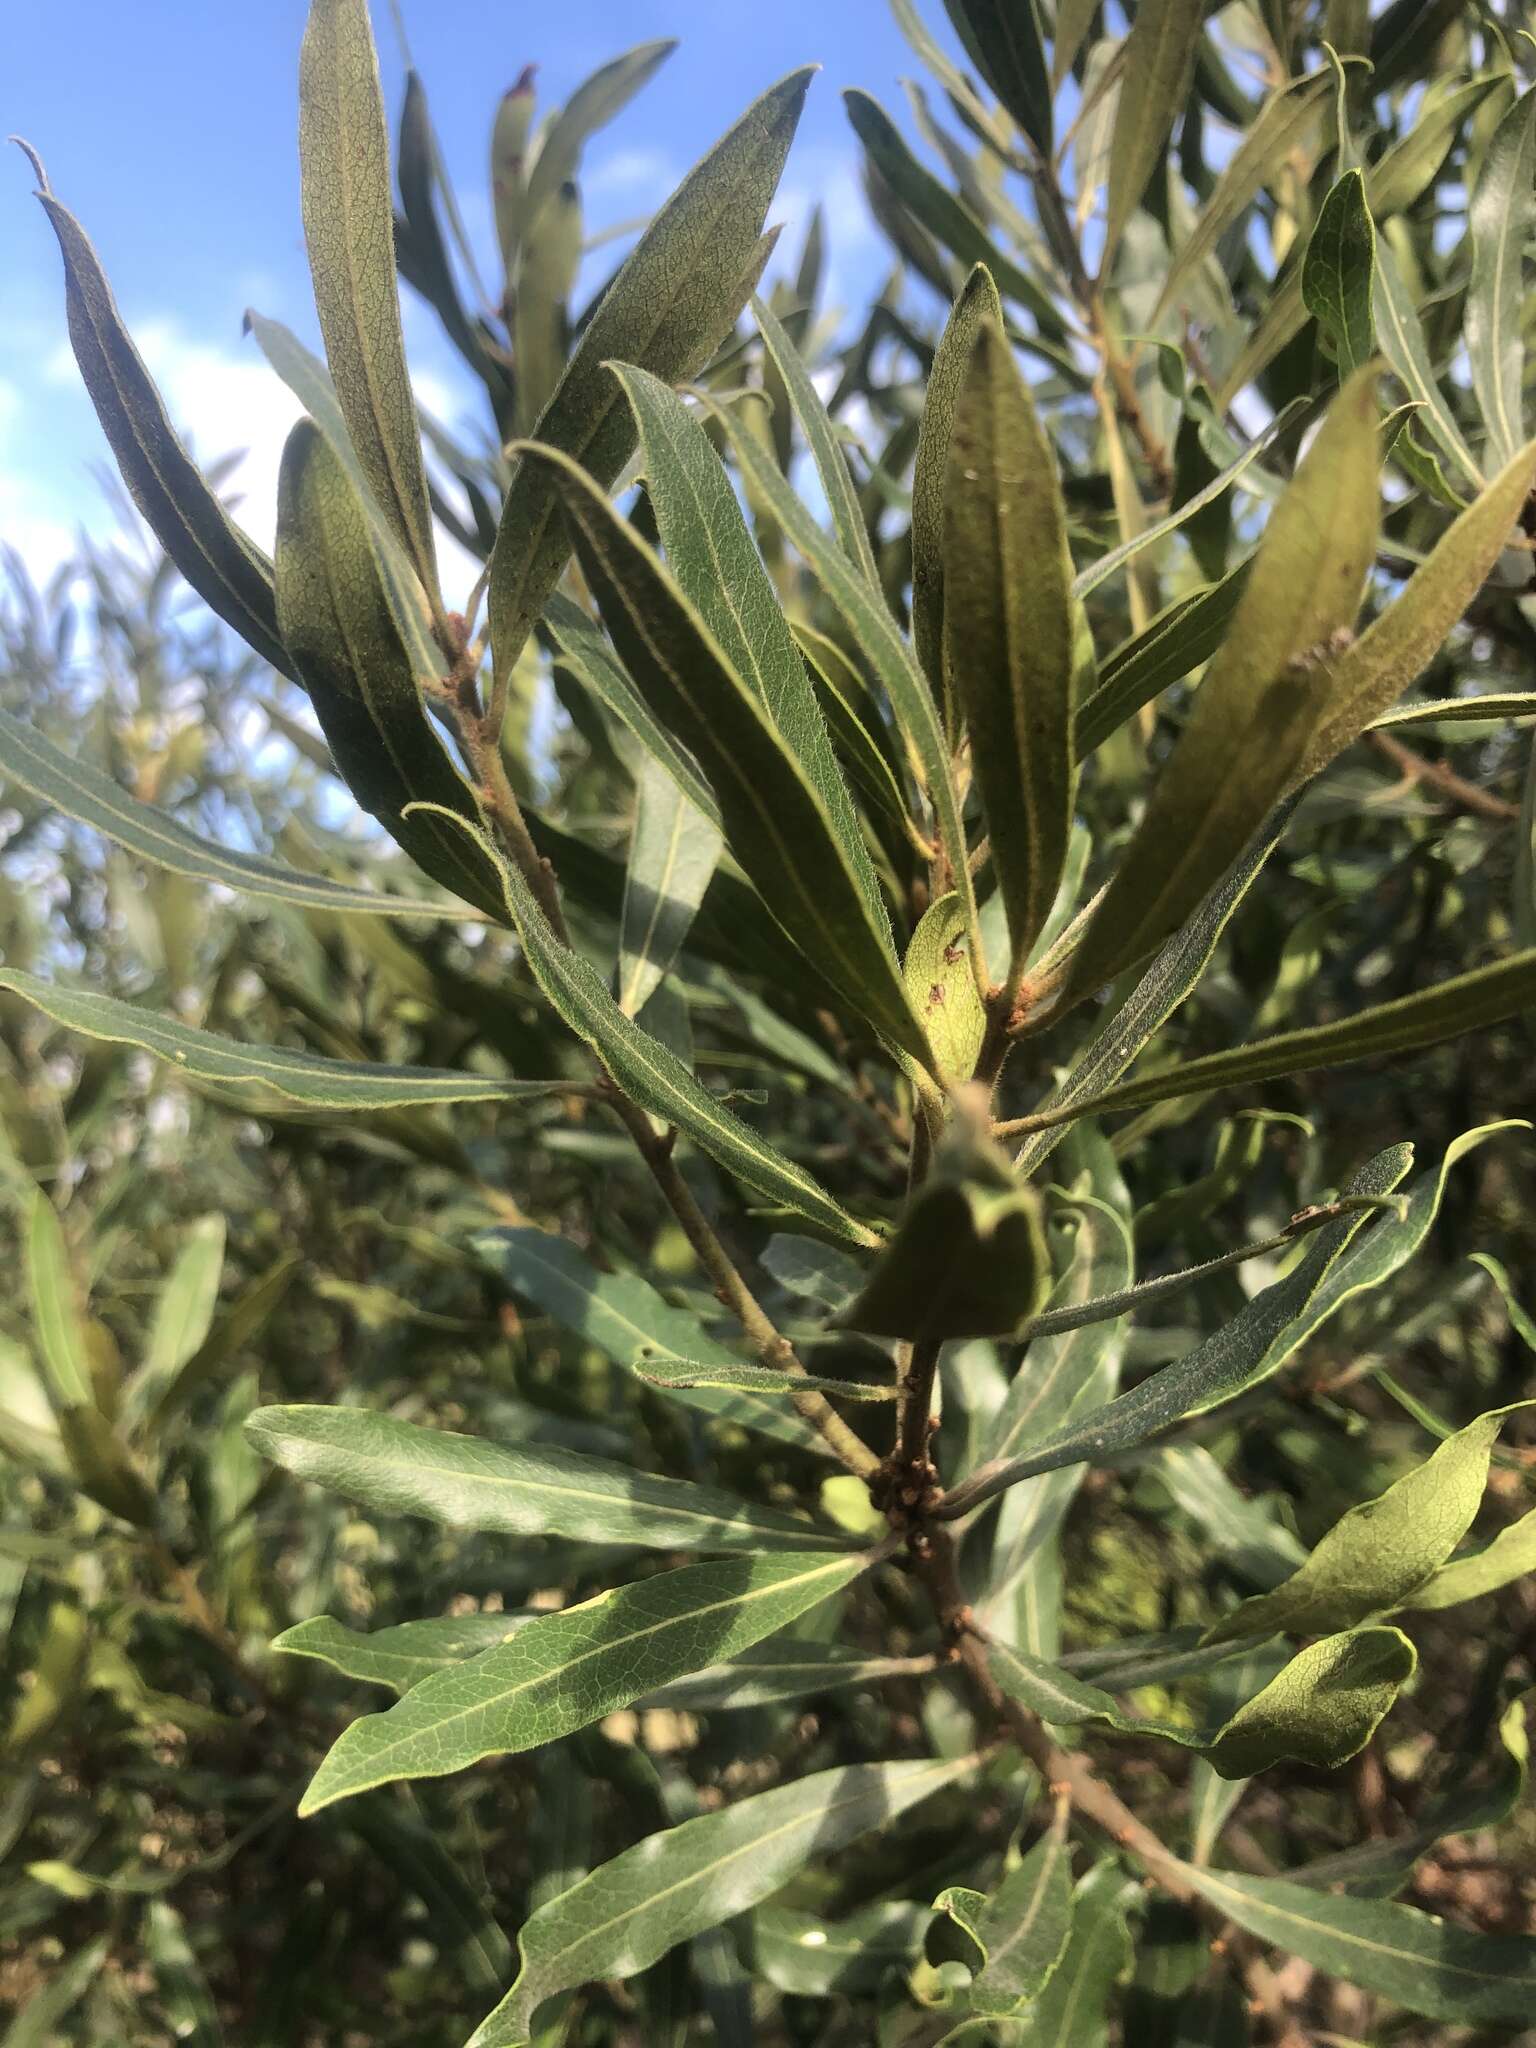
{"x": 1155, "y": 80}
{"x": 1003, "y": 39}
{"x": 566, "y": 1670}
{"x": 888, "y": 654}
{"x": 1510, "y": 1556}
{"x": 1371, "y": 675}
{"x": 943, "y": 991}
{"x": 82, "y": 792}
{"x": 1023, "y": 1927}
{"x": 1320, "y": 1709}
{"x": 1379, "y": 1554}
{"x": 1186, "y": 633}
{"x": 673, "y": 852}
{"x": 349, "y": 225}
{"x": 776, "y": 822}
{"x": 594, "y": 103}
{"x": 712, "y": 554}
{"x": 1463, "y": 1003}
{"x": 1262, "y": 694}
{"x": 1414, "y": 1959}
{"x": 1338, "y": 272}
{"x": 821, "y": 439}
{"x": 1342, "y": 1259}
{"x": 1285, "y": 120}
{"x": 1164, "y": 985}
{"x": 1502, "y": 217}
{"x": 1073, "y": 2009}
{"x": 304, "y": 1077}
{"x": 516, "y": 1489}
{"x": 668, "y": 310}
{"x": 1400, "y": 334}
{"x": 671, "y": 1886}
{"x": 630, "y": 1323}
{"x": 786, "y": 1669}
{"x": 758, "y": 1379}
{"x": 338, "y": 622}
{"x": 1008, "y": 628}
{"x": 402, "y": 1656}
{"x": 968, "y": 1260}
{"x": 183, "y": 1316}
{"x": 228, "y": 571}
{"x": 56, "y": 1309}
{"x": 977, "y": 302}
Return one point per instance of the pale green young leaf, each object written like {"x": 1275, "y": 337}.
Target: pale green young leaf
{"x": 349, "y": 228}
{"x": 1009, "y": 626}
{"x": 55, "y": 1301}
{"x": 339, "y": 624}
{"x": 1380, "y": 1553}
{"x": 672, "y": 304}
{"x": 1259, "y": 703}
{"x": 758, "y": 1379}
{"x": 1320, "y": 1709}
{"x": 821, "y": 439}
{"x": 1510, "y": 1556}
{"x": 883, "y": 647}
{"x": 402, "y": 1656}
{"x": 566, "y": 1670}
{"x": 670, "y": 1886}
{"x": 82, "y": 792}
{"x": 977, "y": 302}
{"x": 776, "y": 821}
{"x": 714, "y": 559}
{"x": 304, "y": 1077}
{"x": 1154, "y": 86}
{"x": 673, "y": 852}
{"x": 594, "y": 103}
{"x": 1023, "y": 1927}
{"x": 226, "y": 569}
{"x": 630, "y": 1323}
{"x": 1416, "y": 1960}
{"x": 1502, "y": 217}
{"x": 183, "y": 1315}
{"x": 942, "y": 989}
{"x": 466, "y": 1482}
{"x": 548, "y": 266}
{"x": 1338, "y": 272}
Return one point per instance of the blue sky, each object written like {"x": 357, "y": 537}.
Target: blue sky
{"x": 169, "y": 128}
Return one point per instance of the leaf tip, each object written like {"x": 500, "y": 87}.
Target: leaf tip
{"x": 44, "y": 189}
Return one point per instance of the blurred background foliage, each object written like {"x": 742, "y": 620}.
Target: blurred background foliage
{"x": 154, "y": 1882}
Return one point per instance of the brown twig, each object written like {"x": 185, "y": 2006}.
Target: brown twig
{"x": 1437, "y": 776}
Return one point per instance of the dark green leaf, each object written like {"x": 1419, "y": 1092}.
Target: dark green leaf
{"x": 1004, "y": 41}
{"x": 1154, "y": 86}
{"x": 1338, "y": 272}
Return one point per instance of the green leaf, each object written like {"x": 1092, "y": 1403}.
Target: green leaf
{"x": 465, "y": 1482}
{"x": 630, "y": 1323}
{"x": 1073, "y": 2010}
{"x": 632, "y": 1910}
{"x": 672, "y": 304}
{"x": 821, "y": 438}
{"x": 1003, "y": 40}
{"x": 1184, "y": 634}
{"x": 337, "y": 620}
{"x": 1380, "y": 1553}
{"x": 1338, "y": 272}
{"x": 183, "y": 1315}
{"x": 1501, "y": 218}
{"x": 1414, "y": 1959}
{"x": 942, "y": 988}
{"x": 776, "y": 821}
{"x": 547, "y": 270}
{"x": 875, "y": 634}
{"x": 1009, "y": 629}
{"x": 594, "y": 103}
{"x": 673, "y": 852}
{"x": 402, "y": 1656}
{"x": 1265, "y": 1332}
{"x": 35, "y": 2022}
{"x": 977, "y": 302}
{"x": 968, "y": 1259}
{"x": 56, "y": 1305}
{"x": 1487, "y": 708}
{"x": 1400, "y": 336}
{"x": 1284, "y": 123}
{"x": 349, "y": 226}
{"x": 1510, "y": 1556}
{"x": 1023, "y": 1928}
{"x": 711, "y": 553}
{"x": 305, "y": 1077}
{"x": 1262, "y": 694}
{"x": 1400, "y": 644}
{"x": 82, "y": 792}
{"x": 811, "y": 1958}
{"x": 1164, "y": 984}
{"x": 1155, "y": 80}
{"x": 566, "y": 1670}
{"x": 1452, "y": 1008}
{"x": 1320, "y": 1709}
{"x": 239, "y": 1325}
{"x": 683, "y": 1372}
{"x": 788, "y": 1669}
{"x": 227, "y": 570}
